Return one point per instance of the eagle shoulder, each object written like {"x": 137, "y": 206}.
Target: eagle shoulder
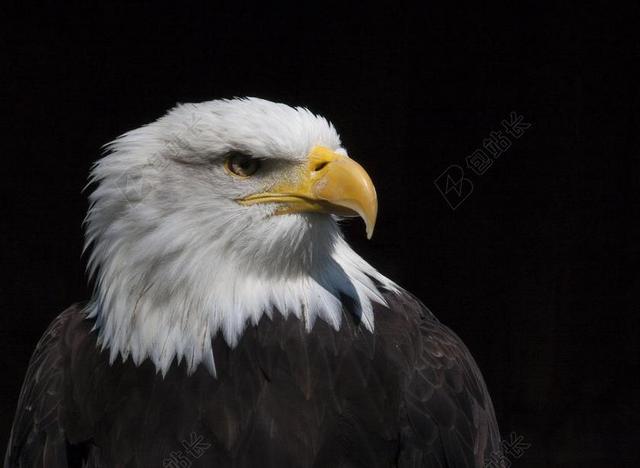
{"x": 38, "y": 436}
{"x": 447, "y": 414}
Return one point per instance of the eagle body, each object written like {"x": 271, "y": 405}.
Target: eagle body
{"x": 407, "y": 395}
{"x": 233, "y": 326}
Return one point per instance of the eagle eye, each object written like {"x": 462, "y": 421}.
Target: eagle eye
{"x": 242, "y": 165}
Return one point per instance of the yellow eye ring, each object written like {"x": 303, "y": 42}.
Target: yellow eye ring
{"x": 242, "y": 165}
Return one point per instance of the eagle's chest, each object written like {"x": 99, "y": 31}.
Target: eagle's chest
{"x": 283, "y": 395}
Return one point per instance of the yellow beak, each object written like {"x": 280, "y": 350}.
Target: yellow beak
{"x": 328, "y": 183}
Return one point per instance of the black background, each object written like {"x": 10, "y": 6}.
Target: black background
{"x": 536, "y": 270}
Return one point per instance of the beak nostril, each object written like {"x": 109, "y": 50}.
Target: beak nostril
{"x": 320, "y": 166}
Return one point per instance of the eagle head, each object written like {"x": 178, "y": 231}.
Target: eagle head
{"x": 216, "y": 214}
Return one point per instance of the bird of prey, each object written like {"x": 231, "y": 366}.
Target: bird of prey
{"x": 232, "y": 325}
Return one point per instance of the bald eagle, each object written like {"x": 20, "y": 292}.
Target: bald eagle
{"x": 232, "y": 325}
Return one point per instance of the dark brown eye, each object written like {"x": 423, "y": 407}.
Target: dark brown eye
{"x": 242, "y": 165}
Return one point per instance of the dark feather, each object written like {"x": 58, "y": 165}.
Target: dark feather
{"x": 408, "y": 395}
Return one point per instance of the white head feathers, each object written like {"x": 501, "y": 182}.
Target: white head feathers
{"x": 177, "y": 260}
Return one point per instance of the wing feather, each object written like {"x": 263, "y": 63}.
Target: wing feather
{"x": 37, "y": 438}
{"x": 450, "y": 421}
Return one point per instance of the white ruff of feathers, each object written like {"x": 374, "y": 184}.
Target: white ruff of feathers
{"x": 177, "y": 261}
